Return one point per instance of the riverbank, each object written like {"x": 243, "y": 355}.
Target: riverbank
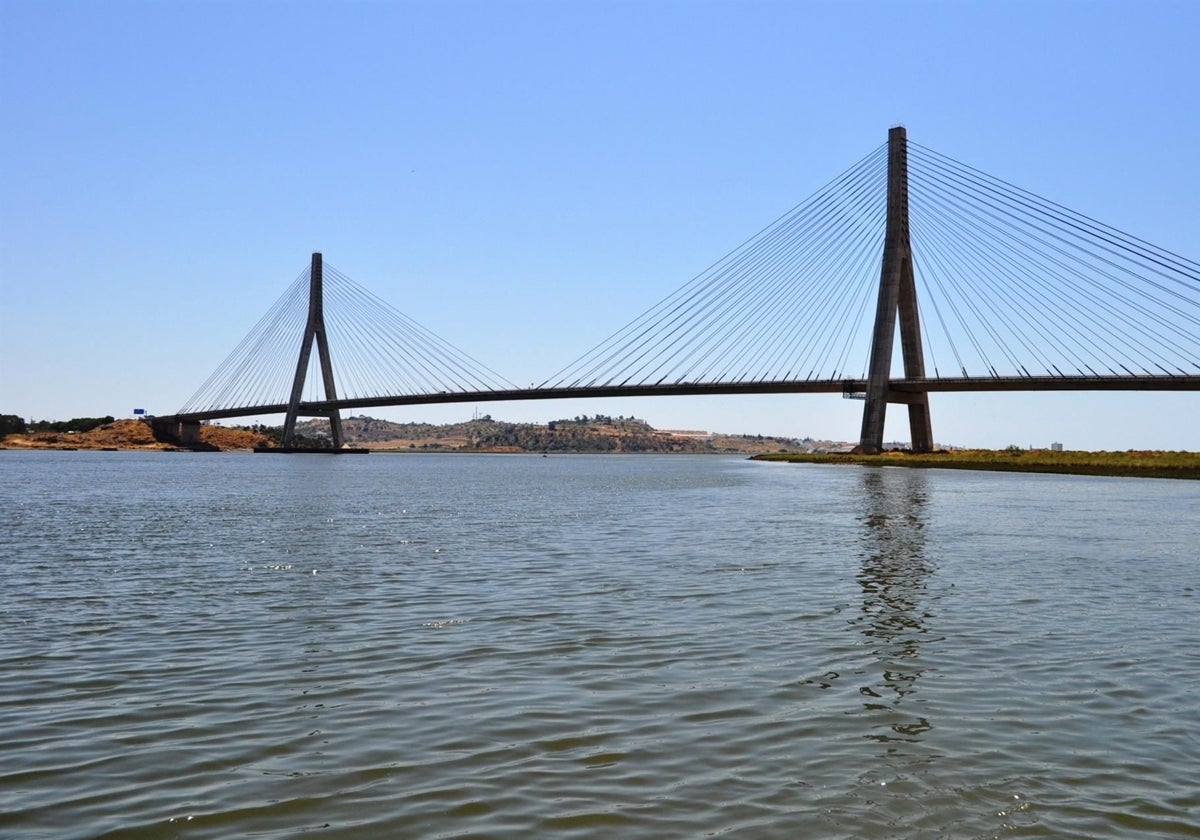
{"x": 132, "y": 435}
{"x": 1133, "y": 463}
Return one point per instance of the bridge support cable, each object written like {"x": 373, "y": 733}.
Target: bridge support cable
{"x": 1007, "y": 311}
{"x": 746, "y": 347}
{"x": 932, "y": 272}
{"x": 368, "y": 348}
{"x": 813, "y": 339}
{"x": 1167, "y": 265}
{"x": 756, "y": 345}
{"x": 1037, "y": 313}
{"x": 744, "y": 318}
{"x": 973, "y": 307}
{"x": 1050, "y": 291}
{"x": 393, "y": 354}
{"x": 240, "y": 378}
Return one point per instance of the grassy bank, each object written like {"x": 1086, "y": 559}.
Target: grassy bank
{"x": 1131, "y": 463}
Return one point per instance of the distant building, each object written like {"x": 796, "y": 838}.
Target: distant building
{"x": 1056, "y": 447}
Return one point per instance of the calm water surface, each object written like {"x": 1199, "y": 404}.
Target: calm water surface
{"x": 209, "y": 646}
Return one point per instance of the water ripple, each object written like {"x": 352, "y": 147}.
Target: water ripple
{"x": 447, "y": 647}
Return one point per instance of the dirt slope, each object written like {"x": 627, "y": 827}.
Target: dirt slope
{"x": 130, "y": 434}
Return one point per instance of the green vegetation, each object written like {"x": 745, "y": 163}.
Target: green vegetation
{"x": 1144, "y": 464}
{"x": 599, "y": 420}
{"x": 11, "y": 424}
{"x": 566, "y": 436}
{"x": 79, "y": 424}
{"x": 597, "y": 434}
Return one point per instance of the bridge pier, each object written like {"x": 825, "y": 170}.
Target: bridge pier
{"x": 174, "y": 430}
{"x": 897, "y": 296}
{"x": 189, "y": 432}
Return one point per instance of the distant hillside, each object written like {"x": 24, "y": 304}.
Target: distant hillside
{"x": 580, "y": 434}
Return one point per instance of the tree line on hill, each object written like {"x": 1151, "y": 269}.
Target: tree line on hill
{"x": 575, "y": 437}
{"x": 579, "y": 434}
{"x": 11, "y": 424}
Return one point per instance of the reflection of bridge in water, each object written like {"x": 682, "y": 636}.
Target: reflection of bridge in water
{"x": 893, "y": 577}
{"x": 993, "y": 288}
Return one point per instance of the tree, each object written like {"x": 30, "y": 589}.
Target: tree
{"x": 79, "y": 424}
{"x": 11, "y": 424}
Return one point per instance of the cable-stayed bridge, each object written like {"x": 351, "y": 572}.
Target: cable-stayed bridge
{"x": 991, "y": 287}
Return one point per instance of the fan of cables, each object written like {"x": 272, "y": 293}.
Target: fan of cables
{"x": 1012, "y": 284}
{"x": 1008, "y": 284}
{"x": 376, "y": 351}
{"x": 788, "y": 304}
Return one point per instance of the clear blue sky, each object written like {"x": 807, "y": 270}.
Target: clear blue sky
{"x": 523, "y": 178}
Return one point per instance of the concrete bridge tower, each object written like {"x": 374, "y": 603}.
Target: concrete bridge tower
{"x": 314, "y": 330}
{"x": 897, "y": 296}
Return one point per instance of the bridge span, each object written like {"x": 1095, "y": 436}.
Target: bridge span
{"x": 185, "y": 427}
{"x": 1010, "y": 290}
{"x": 850, "y": 388}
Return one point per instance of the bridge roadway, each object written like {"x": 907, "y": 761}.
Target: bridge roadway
{"x": 898, "y": 391}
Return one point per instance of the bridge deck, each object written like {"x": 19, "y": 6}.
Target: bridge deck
{"x": 899, "y": 387}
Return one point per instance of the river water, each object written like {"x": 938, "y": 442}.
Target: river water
{"x": 210, "y": 646}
